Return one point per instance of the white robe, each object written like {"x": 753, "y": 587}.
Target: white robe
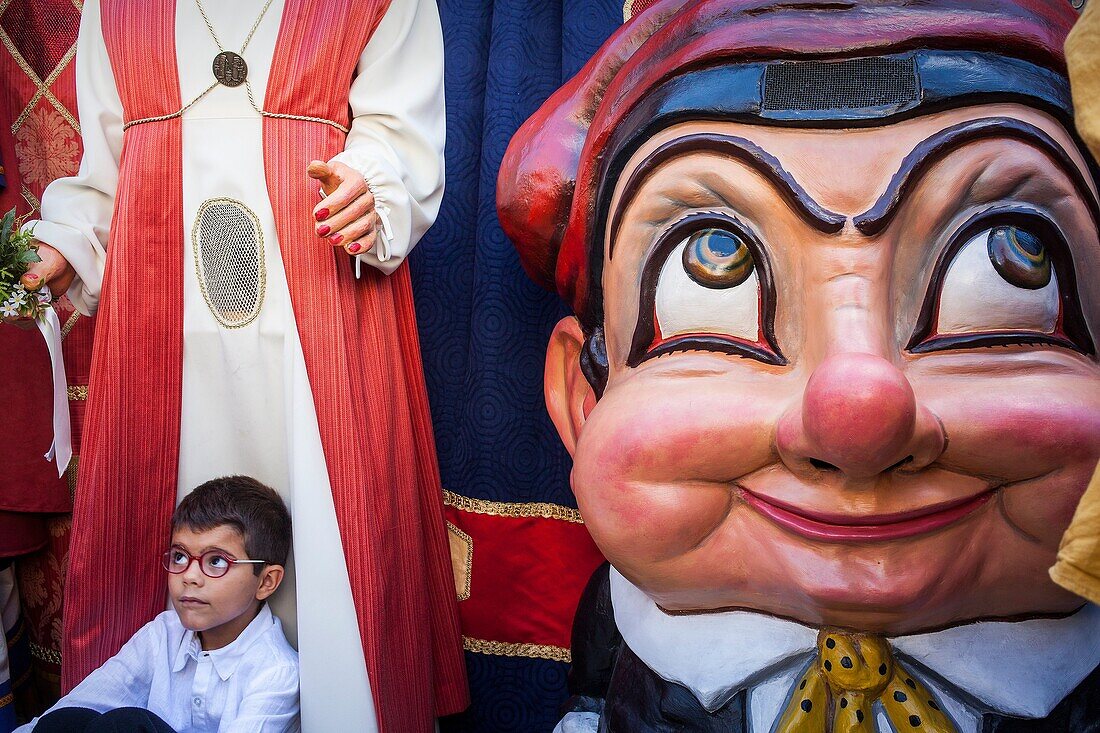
{"x": 247, "y": 406}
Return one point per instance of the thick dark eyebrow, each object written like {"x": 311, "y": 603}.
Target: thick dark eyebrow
{"x": 204, "y": 550}
{"x": 937, "y": 146}
{"x": 735, "y": 147}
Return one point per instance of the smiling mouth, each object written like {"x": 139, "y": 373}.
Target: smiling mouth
{"x": 866, "y": 528}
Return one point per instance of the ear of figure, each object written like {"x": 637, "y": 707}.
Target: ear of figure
{"x": 570, "y": 395}
{"x": 270, "y": 580}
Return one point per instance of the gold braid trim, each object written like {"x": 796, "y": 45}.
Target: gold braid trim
{"x": 539, "y": 509}
{"x": 78, "y": 392}
{"x": 7, "y": 700}
{"x": 508, "y": 649}
{"x": 71, "y": 475}
{"x": 69, "y": 324}
{"x": 46, "y": 655}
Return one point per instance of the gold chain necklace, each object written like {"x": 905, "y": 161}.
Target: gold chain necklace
{"x": 229, "y": 67}
{"x": 234, "y": 73}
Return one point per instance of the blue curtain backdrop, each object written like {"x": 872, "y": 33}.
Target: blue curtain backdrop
{"x": 483, "y": 325}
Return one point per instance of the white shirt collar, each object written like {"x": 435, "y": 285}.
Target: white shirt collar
{"x": 225, "y": 660}
{"x": 1021, "y": 668}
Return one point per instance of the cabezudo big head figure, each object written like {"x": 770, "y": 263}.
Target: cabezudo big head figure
{"x": 831, "y": 390}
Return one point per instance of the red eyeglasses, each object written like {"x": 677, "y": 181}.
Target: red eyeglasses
{"x": 212, "y": 563}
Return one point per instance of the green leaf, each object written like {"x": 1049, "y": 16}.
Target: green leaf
{"x": 6, "y": 226}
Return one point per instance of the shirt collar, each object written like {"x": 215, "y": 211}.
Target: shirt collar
{"x": 1021, "y": 668}
{"x": 225, "y": 660}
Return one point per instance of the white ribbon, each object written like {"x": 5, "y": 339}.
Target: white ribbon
{"x": 62, "y": 446}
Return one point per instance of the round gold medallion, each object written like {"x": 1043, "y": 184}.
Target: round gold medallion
{"x": 230, "y": 69}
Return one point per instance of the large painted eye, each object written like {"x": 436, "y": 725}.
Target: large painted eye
{"x": 708, "y": 285}
{"x": 1000, "y": 280}
{"x": 1006, "y": 278}
{"x": 1019, "y": 256}
{"x": 717, "y": 258}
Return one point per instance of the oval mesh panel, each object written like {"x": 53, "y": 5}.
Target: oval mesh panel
{"x": 229, "y": 260}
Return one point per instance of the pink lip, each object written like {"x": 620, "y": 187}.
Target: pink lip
{"x": 188, "y": 601}
{"x": 866, "y": 528}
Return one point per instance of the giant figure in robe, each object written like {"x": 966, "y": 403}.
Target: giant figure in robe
{"x": 831, "y": 388}
{"x": 233, "y": 337}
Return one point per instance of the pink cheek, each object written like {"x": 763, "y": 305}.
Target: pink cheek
{"x": 653, "y": 477}
{"x": 1023, "y": 437}
{"x": 1044, "y": 507}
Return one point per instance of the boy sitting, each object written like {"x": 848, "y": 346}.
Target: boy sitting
{"x": 218, "y": 661}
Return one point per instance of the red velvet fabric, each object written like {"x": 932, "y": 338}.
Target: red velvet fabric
{"x": 38, "y": 104}
{"x": 29, "y": 485}
{"x": 352, "y": 332}
{"x": 547, "y": 181}
{"x": 529, "y": 597}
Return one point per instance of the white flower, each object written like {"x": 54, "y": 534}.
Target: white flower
{"x": 18, "y": 296}
{"x": 9, "y": 309}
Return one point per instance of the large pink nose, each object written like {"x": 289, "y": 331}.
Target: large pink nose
{"x": 859, "y": 415}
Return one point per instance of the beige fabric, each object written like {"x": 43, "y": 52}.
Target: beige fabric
{"x": 1083, "y": 58}
{"x": 1078, "y": 565}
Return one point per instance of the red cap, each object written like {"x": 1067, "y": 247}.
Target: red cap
{"x": 547, "y": 185}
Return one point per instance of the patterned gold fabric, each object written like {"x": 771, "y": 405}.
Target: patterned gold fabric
{"x": 850, "y": 674}
{"x": 1083, "y": 60}
{"x": 1078, "y": 566}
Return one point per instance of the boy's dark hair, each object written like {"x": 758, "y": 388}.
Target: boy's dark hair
{"x": 253, "y": 509}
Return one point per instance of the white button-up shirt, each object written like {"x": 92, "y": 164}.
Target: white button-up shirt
{"x": 249, "y": 686}
{"x": 1019, "y": 668}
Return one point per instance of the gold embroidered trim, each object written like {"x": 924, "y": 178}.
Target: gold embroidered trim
{"x": 77, "y": 392}
{"x": 7, "y": 700}
{"x": 508, "y": 649}
{"x": 71, "y": 474}
{"x": 42, "y": 85}
{"x": 539, "y": 509}
{"x": 465, "y": 556}
{"x": 69, "y": 324}
{"x": 32, "y": 200}
{"x": 51, "y": 656}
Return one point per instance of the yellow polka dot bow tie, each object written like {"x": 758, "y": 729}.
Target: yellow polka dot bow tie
{"x": 850, "y": 674}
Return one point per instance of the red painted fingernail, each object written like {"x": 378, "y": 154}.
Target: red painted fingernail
{"x": 336, "y": 238}
{"x": 354, "y": 247}
{"x": 31, "y": 276}
{"x": 321, "y": 214}
{"x": 323, "y": 230}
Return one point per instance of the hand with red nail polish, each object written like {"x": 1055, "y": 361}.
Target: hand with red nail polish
{"x": 347, "y": 213}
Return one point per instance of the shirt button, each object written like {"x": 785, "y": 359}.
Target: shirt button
{"x": 198, "y": 702}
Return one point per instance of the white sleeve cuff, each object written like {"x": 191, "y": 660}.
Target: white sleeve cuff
{"x": 86, "y": 257}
